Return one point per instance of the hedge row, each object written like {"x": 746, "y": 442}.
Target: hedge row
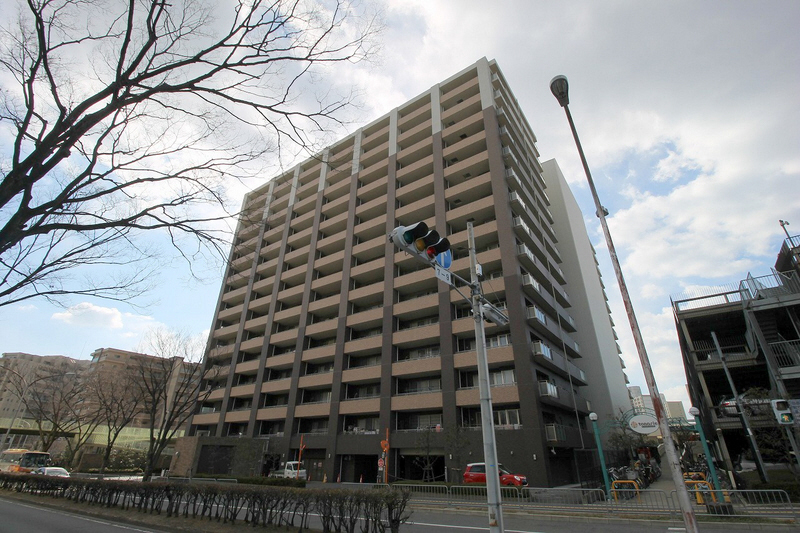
{"x": 340, "y": 510}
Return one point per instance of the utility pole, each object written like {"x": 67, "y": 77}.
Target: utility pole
{"x": 427, "y": 246}
{"x": 493, "y": 496}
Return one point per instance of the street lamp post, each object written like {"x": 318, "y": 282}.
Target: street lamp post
{"x": 593, "y": 418}
{"x": 560, "y": 89}
{"x": 695, "y": 412}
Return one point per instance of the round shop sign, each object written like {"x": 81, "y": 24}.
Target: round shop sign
{"x": 643, "y": 424}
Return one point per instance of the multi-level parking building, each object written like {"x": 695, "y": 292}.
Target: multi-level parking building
{"x": 749, "y": 331}
{"x": 325, "y": 332}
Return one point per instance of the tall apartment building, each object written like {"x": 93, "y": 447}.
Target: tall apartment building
{"x": 326, "y": 335}
{"x": 756, "y": 323}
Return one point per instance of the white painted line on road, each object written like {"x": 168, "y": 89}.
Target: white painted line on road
{"x": 82, "y": 517}
{"x": 676, "y": 529}
{"x": 475, "y": 528}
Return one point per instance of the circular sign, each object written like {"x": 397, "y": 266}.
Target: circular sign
{"x": 445, "y": 259}
{"x": 643, "y": 424}
{"x": 380, "y": 463}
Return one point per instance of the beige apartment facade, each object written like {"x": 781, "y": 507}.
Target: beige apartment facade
{"x": 326, "y": 336}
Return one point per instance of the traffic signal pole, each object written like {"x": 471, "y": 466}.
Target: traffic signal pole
{"x": 427, "y": 246}
{"x": 487, "y": 417}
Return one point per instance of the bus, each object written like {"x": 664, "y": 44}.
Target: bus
{"x": 23, "y": 461}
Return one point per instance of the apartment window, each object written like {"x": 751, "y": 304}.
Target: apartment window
{"x": 316, "y": 396}
{"x": 362, "y": 334}
{"x": 418, "y": 323}
{"x": 313, "y": 425}
{"x": 370, "y": 360}
{"x": 497, "y": 378}
{"x": 463, "y": 312}
{"x": 275, "y": 373}
{"x": 418, "y": 353}
{"x": 246, "y": 380}
{"x": 506, "y": 418}
{"x": 494, "y": 341}
{"x": 418, "y": 386}
{"x": 272, "y": 427}
{"x": 241, "y": 404}
{"x": 369, "y": 390}
{"x": 276, "y": 400}
{"x": 419, "y": 421}
{"x": 320, "y": 368}
{"x": 503, "y": 418}
{"x": 364, "y": 425}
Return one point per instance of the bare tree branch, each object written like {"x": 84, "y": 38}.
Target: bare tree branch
{"x": 137, "y": 120}
{"x": 169, "y": 385}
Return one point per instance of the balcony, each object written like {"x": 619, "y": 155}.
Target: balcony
{"x": 548, "y": 389}
{"x": 567, "y": 436}
{"x": 363, "y": 406}
{"x": 787, "y": 353}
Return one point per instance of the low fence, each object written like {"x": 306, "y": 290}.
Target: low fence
{"x": 623, "y": 502}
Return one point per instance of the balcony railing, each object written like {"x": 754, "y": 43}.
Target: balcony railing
{"x": 786, "y": 352}
{"x": 735, "y": 352}
{"x": 555, "y": 432}
{"x": 548, "y": 389}
{"x": 771, "y": 285}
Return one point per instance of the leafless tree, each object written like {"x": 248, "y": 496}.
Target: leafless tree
{"x": 60, "y": 406}
{"x": 124, "y": 117}
{"x": 119, "y": 401}
{"x": 169, "y": 384}
{"x": 457, "y": 440}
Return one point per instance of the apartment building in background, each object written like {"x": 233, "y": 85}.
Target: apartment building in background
{"x": 752, "y": 330}
{"x": 326, "y": 336}
{"x": 17, "y": 372}
{"x": 108, "y": 365}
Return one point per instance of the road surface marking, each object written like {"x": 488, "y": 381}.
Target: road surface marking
{"x": 82, "y": 517}
{"x": 475, "y": 528}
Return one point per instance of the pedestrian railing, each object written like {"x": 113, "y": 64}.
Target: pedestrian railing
{"x": 623, "y": 502}
{"x": 754, "y": 503}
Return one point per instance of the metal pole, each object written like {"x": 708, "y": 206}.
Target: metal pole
{"x": 709, "y": 458}
{"x": 602, "y": 458}
{"x": 487, "y": 418}
{"x": 684, "y": 502}
{"x": 762, "y": 471}
{"x": 793, "y": 442}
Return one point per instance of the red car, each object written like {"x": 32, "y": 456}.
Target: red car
{"x": 476, "y": 473}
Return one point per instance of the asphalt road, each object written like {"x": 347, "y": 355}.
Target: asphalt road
{"x": 449, "y": 522}
{"x": 19, "y": 517}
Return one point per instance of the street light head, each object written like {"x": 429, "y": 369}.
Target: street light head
{"x": 560, "y": 89}
{"x": 694, "y": 411}
{"x": 593, "y": 417}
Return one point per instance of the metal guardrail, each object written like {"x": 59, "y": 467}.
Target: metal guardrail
{"x": 624, "y": 502}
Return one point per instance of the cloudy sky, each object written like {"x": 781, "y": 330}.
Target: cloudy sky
{"x": 688, "y": 112}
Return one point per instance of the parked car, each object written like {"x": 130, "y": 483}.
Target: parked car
{"x": 476, "y": 473}
{"x": 53, "y": 471}
{"x": 752, "y": 406}
{"x": 290, "y": 470}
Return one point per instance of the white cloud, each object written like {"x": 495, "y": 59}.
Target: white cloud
{"x": 86, "y": 314}
{"x": 27, "y": 307}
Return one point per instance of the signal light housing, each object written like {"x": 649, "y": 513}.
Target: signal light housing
{"x": 421, "y": 242}
{"x": 783, "y": 413}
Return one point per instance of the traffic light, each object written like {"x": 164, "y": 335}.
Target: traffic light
{"x": 421, "y": 242}
{"x": 783, "y": 413}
